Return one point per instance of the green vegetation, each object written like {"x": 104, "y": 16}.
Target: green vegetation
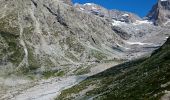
{"x": 75, "y": 90}
{"x": 114, "y": 60}
{"x": 98, "y": 55}
{"x": 74, "y": 45}
{"x": 33, "y": 63}
{"x": 28, "y": 33}
{"x": 84, "y": 69}
{"x": 5, "y": 24}
{"x": 136, "y": 80}
{"x": 71, "y": 56}
{"x": 11, "y": 48}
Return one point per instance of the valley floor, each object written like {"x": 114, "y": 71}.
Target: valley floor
{"x": 50, "y": 88}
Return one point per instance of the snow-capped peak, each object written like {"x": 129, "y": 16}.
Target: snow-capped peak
{"x": 163, "y": 0}
{"x": 125, "y": 15}
{"x": 89, "y": 4}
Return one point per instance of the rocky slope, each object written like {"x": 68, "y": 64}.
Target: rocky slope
{"x": 40, "y": 35}
{"x": 40, "y": 39}
{"x": 108, "y": 14}
{"x": 160, "y": 13}
{"x": 146, "y": 78}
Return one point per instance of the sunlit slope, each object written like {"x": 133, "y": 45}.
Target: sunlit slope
{"x": 144, "y": 79}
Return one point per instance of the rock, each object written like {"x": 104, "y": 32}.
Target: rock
{"x": 38, "y": 35}
{"x": 68, "y": 2}
{"x": 109, "y": 14}
{"x": 160, "y": 13}
{"x": 41, "y": 35}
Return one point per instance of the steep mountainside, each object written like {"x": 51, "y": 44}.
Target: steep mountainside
{"x": 48, "y": 34}
{"x": 160, "y": 13}
{"x": 147, "y": 78}
{"x": 38, "y": 36}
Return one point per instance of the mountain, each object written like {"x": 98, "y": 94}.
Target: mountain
{"x": 38, "y": 35}
{"x": 108, "y": 14}
{"x": 127, "y": 25}
{"x": 146, "y": 78}
{"x": 67, "y": 2}
{"x": 160, "y": 13}
{"x": 47, "y": 46}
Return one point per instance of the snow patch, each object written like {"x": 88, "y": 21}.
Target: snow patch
{"x": 88, "y": 4}
{"x": 138, "y": 43}
{"x": 125, "y": 15}
{"x": 139, "y": 22}
{"x": 117, "y": 23}
{"x": 94, "y": 8}
{"x": 163, "y": 0}
{"x": 81, "y": 8}
{"x": 122, "y": 46}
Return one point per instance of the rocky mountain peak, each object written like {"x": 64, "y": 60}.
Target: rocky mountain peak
{"x": 100, "y": 11}
{"x": 92, "y": 8}
{"x": 160, "y": 13}
{"x": 67, "y": 2}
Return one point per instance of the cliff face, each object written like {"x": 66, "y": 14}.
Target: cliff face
{"x": 48, "y": 34}
{"x": 67, "y": 2}
{"x": 160, "y": 13}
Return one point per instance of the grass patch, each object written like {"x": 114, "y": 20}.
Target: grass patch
{"x": 98, "y": 55}
{"x": 82, "y": 70}
{"x": 135, "y": 80}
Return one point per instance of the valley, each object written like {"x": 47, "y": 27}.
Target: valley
{"x": 54, "y": 49}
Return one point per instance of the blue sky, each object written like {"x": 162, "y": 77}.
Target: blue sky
{"x": 140, "y": 7}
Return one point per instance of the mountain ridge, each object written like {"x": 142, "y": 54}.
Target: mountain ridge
{"x": 44, "y": 43}
{"x": 160, "y": 13}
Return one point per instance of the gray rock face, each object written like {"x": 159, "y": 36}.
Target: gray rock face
{"x": 108, "y": 14}
{"x": 124, "y": 16}
{"x": 160, "y": 13}
{"x": 68, "y": 2}
{"x": 123, "y": 34}
{"x": 41, "y": 35}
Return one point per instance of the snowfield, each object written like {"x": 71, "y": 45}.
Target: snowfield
{"x": 139, "y": 43}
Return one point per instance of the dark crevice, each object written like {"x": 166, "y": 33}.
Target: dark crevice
{"x": 35, "y": 4}
{"x": 93, "y": 39}
{"x": 59, "y": 18}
